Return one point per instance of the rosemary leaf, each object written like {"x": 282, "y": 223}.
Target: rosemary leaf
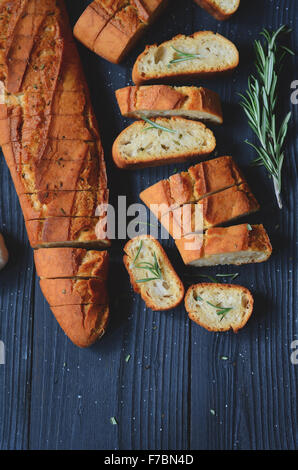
{"x": 183, "y": 56}
{"x": 260, "y": 106}
{"x": 154, "y": 125}
{"x": 153, "y": 268}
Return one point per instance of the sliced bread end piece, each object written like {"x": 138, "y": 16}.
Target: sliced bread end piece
{"x": 238, "y": 244}
{"x": 219, "y": 9}
{"x": 219, "y": 307}
{"x": 160, "y": 288}
{"x": 204, "y": 53}
{"x": 164, "y": 142}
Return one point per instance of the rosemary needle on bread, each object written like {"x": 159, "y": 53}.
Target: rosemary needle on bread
{"x": 260, "y": 106}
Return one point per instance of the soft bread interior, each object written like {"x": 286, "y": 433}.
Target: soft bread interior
{"x": 215, "y": 53}
{"x": 236, "y": 298}
{"x": 164, "y": 292}
{"x": 226, "y": 6}
{"x": 190, "y": 137}
{"x": 237, "y": 258}
{"x": 188, "y": 114}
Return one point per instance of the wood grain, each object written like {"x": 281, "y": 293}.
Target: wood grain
{"x": 163, "y": 379}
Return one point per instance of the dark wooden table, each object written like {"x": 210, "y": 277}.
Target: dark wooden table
{"x": 176, "y": 391}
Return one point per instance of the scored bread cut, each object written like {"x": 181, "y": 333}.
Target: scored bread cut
{"x": 220, "y": 9}
{"x": 162, "y": 100}
{"x": 214, "y": 54}
{"x": 111, "y": 28}
{"x": 238, "y": 244}
{"x": 83, "y": 324}
{"x": 143, "y": 145}
{"x": 71, "y": 262}
{"x": 191, "y": 186}
{"x": 162, "y": 289}
{"x": 219, "y": 307}
{"x": 75, "y": 291}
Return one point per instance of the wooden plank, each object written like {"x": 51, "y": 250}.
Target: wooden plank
{"x": 249, "y": 400}
{"x": 16, "y": 295}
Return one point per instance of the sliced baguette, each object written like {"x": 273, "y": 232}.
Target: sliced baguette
{"x": 239, "y": 244}
{"x": 159, "y": 294}
{"x": 140, "y": 146}
{"x": 83, "y": 324}
{"x": 220, "y": 9}
{"x": 111, "y": 28}
{"x": 71, "y": 262}
{"x": 199, "y": 181}
{"x": 207, "y": 305}
{"x": 217, "y": 55}
{"x": 163, "y": 100}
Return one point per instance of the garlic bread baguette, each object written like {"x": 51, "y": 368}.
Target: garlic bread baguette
{"x": 239, "y": 244}
{"x": 199, "y": 181}
{"x": 219, "y": 307}
{"x": 162, "y": 142}
{"x": 220, "y": 9}
{"x": 162, "y": 100}
{"x": 151, "y": 273}
{"x": 200, "y": 55}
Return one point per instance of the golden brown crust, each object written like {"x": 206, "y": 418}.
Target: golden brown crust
{"x": 165, "y": 262}
{"x": 228, "y": 288}
{"x": 65, "y": 230}
{"x": 215, "y": 10}
{"x": 133, "y": 100}
{"x": 228, "y": 205}
{"x": 140, "y": 78}
{"x": 46, "y": 204}
{"x": 51, "y": 144}
{"x": 61, "y": 292}
{"x": 83, "y": 324}
{"x": 54, "y": 263}
{"x": 225, "y": 240}
{"x": 199, "y": 181}
{"x": 111, "y": 29}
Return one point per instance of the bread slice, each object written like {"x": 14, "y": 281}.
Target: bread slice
{"x": 220, "y": 9}
{"x": 47, "y": 204}
{"x": 217, "y": 209}
{"x": 111, "y": 28}
{"x": 66, "y": 231}
{"x": 216, "y": 55}
{"x": 219, "y": 307}
{"x": 162, "y": 100}
{"x": 165, "y": 290}
{"x": 74, "y": 291}
{"x": 239, "y": 244}
{"x": 53, "y": 263}
{"x": 83, "y": 324}
{"x": 141, "y": 145}
{"x": 191, "y": 186}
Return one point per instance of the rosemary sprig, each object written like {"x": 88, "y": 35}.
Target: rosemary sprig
{"x": 260, "y": 105}
{"x": 219, "y": 310}
{"x": 153, "y": 268}
{"x": 183, "y": 56}
{"x": 154, "y": 125}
